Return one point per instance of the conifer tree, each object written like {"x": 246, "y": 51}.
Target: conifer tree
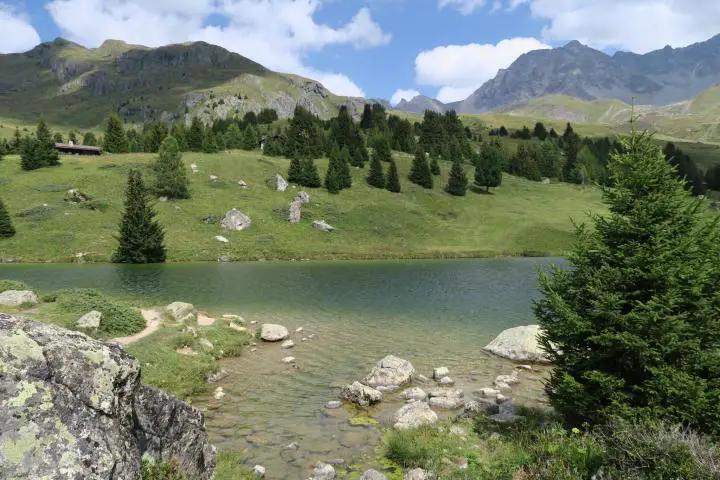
{"x": 233, "y": 137}
{"x": 631, "y": 323}
{"x": 16, "y": 143}
{"x": 295, "y": 172}
{"x": 58, "y": 138}
{"x": 457, "y": 181}
{"x": 6, "y": 227}
{"x": 375, "y": 177}
{"x": 250, "y": 139}
{"x": 153, "y": 135}
{"x": 72, "y": 137}
{"x": 392, "y": 183}
{"x": 209, "y": 143}
{"x": 305, "y": 138}
{"x": 359, "y": 156}
{"x": 489, "y": 164}
{"x": 420, "y": 170}
{"x": 171, "y": 177}
{"x": 29, "y": 154}
{"x": 343, "y": 165}
{"x": 115, "y": 140}
{"x": 366, "y": 121}
{"x": 90, "y": 139}
{"x": 550, "y": 160}
{"x": 178, "y": 131}
{"x": 45, "y": 150}
{"x": 381, "y": 147}
{"x": 195, "y": 135}
{"x": 434, "y": 166}
{"x": 540, "y": 131}
{"x": 332, "y": 177}
{"x": 310, "y": 175}
{"x": 141, "y": 238}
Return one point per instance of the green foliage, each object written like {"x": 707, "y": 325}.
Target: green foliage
{"x": 250, "y": 139}
{"x": 305, "y": 137}
{"x": 295, "y": 172}
{"x": 540, "y": 131}
{"x": 153, "y": 135}
{"x": 170, "y": 175}
{"x": 115, "y": 140}
{"x": 375, "y": 177}
{"x": 141, "y": 238}
{"x": 39, "y": 152}
{"x": 631, "y": 325}
{"x": 712, "y": 178}
{"x": 524, "y": 163}
{"x": 392, "y": 183}
{"x": 234, "y": 137}
{"x": 366, "y": 121}
{"x": 343, "y": 164}
{"x": 209, "y": 142}
{"x": 58, "y": 138}
{"x": 6, "y": 227}
{"x": 310, "y": 177}
{"x": 267, "y": 116}
{"x": 162, "y": 471}
{"x": 489, "y": 164}
{"x": 381, "y": 149}
{"x": 12, "y": 285}
{"x": 89, "y": 139}
{"x": 180, "y": 133}
{"x": 457, "y": 181}
{"x": 359, "y": 156}
{"x": 420, "y": 170}
{"x": 685, "y": 168}
{"x": 196, "y": 135}
{"x": 230, "y": 467}
{"x": 332, "y": 178}
{"x": 434, "y": 166}
{"x": 550, "y": 160}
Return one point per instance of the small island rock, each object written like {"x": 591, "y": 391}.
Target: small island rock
{"x": 391, "y": 370}
{"x": 273, "y": 333}
{"x": 414, "y": 415}
{"x": 360, "y": 394}
{"x": 519, "y": 344}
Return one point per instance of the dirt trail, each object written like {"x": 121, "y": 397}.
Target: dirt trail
{"x": 153, "y": 321}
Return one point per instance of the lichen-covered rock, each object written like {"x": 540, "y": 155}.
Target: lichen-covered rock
{"x": 416, "y": 474}
{"x": 304, "y": 197}
{"x": 90, "y": 320}
{"x": 373, "y": 474}
{"x": 413, "y": 415}
{"x": 414, "y": 393}
{"x": 447, "y": 403}
{"x": 360, "y": 394}
{"x": 73, "y": 407}
{"x": 235, "y": 220}
{"x": 323, "y": 226}
{"x": 390, "y": 370}
{"x": 295, "y": 214}
{"x": 323, "y": 471}
{"x": 181, "y": 312}
{"x": 280, "y": 183}
{"x": 17, "y": 298}
{"x": 519, "y": 344}
{"x": 273, "y": 333}
{"x": 440, "y": 372}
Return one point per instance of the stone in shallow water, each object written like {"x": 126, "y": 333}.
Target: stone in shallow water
{"x": 413, "y": 415}
{"x": 259, "y": 471}
{"x": 446, "y": 403}
{"x": 373, "y": 474}
{"x": 391, "y": 370}
{"x": 287, "y": 344}
{"x": 414, "y": 393}
{"x": 360, "y": 394}
{"x": 288, "y": 360}
{"x": 334, "y": 404}
{"x": 513, "y": 379}
{"x": 323, "y": 471}
{"x": 273, "y": 333}
{"x": 440, "y": 372}
{"x": 519, "y": 344}
{"x": 446, "y": 392}
{"x": 446, "y": 381}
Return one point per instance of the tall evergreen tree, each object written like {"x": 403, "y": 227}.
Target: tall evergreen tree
{"x": 489, "y": 164}
{"x": 209, "y": 143}
{"x": 72, "y": 137}
{"x": 420, "y": 170}
{"x": 712, "y": 178}
{"x": 343, "y": 165}
{"x": 153, "y": 135}
{"x": 550, "y": 160}
{"x": 332, "y": 177}
{"x": 180, "y": 133}
{"x": 267, "y": 116}
{"x": 46, "y": 152}
{"x": 250, "y": 140}
{"x": 115, "y": 140}
{"x": 305, "y": 137}
{"x": 381, "y": 147}
{"x": 375, "y": 177}
{"x": 196, "y": 135}
{"x": 359, "y": 156}
{"x": 170, "y": 175}
{"x": 403, "y": 136}
{"x": 392, "y": 183}
{"x": 29, "y": 157}
{"x": 631, "y": 326}
{"x": 457, "y": 180}
{"x": 540, "y": 131}
{"x": 295, "y": 172}
{"x": 6, "y": 227}
{"x": 310, "y": 175}
{"x": 434, "y": 166}
{"x": 233, "y": 137}
{"x": 524, "y": 163}
{"x": 141, "y": 238}
{"x": 90, "y": 139}
{"x": 366, "y": 121}
{"x": 58, "y": 138}
{"x": 16, "y": 143}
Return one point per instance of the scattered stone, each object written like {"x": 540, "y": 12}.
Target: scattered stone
{"x": 76, "y": 196}
{"x": 390, "y": 370}
{"x": 235, "y": 220}
{"x": 181, "y": 312}
{"x": 299, "y": 330}
{"x": 214, "y": 178}
{"x": 224, "y": 259}
{"x": 413, "y": 415}
{"x": 529, "y": 368}
{"x": 513, "y": 379}
{"x": 461, "y": 463}
{"x": 222, "y": 239}
{"x": 194, "y": 168}
{"x": 304, "y": 339}
{"x": 323, "y": 471}
{"x": 446, "y": 381}
{"x": 519, "y": 344}
{"x": 280, "y": 184}
{"x": 90, "y": 320}
{"x": 373, "y": 475}
{"x": 253, "y": 350}
{"x": 163, "y": 199}
{"x": 473, "y": 407}
{"x": 242, "y": 184}
{"x": 445, "y": 392}
{"x": 304, "y": 197}
{"x": 500, "y": 398}
{"x": 416, "y": 474}
{"x": 295, "y": 214}
{"x": 17, "y": 298}
{"x": 441, "y": 372}
{"x": 259, "y": 471}
{"x": 273, "y": 333}
{"x": 206, "y": 344}
{"x": 287, "y": 344}
{"x": 360, "y": 394}
{"x": 457, "y": 430}
{"x": 487, "y": 392}
{"x": 333, "y": 405}
{"x": 414, "y": 393}
{"x": 311, "y": 336}
{"x": 288, "y": 360}
{"x": 254, "y": 322}
{"x": 421, "y": 379}
{"x": 387, "y": 388}
{"x": 448, "y": 403}
{"x": 503, "y": 387}
{"x": 219, "y": 393}
{"x": 216, "y": 377}
{"x": 292, "y": 446}
{"x": 323, "y": 226}
{"x": 234, "y": 318}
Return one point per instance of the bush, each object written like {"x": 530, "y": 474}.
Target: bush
{"x": 162, "y": 471}
{"x": 411, "y": 448}
{"x": 12, "y": 285}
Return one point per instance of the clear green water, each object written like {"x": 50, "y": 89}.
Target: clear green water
{"x": 433, "y": 313}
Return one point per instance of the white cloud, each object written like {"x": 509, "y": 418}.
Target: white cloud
{"x": 403, "y": 95}
{"x": 460, "y": 69}
{"x": 466, "y": 7}
{"x": 17, "y": 33}
{"x": 636, "y": 25}
{"x": 276, "y": 33}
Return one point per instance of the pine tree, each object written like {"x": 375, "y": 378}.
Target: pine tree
{"x": 250, "y": 140}
{"x": 489, "y": 164}
{"x": 392, "y": 184}
{"x": 115, "y": 139}
{"x": 332, "y": 177}
{"x": 47, "y": 155}
{"x": 153, "y": 135}
{"x": 359, "y": 156}
{"x": 178, "y": 131}
{"x": 434, "y": 166}
{"x": 381, "y": 147}
{"x": 6, "y": 227}
{"x": 631, "y": 324}
{"x": 171, "y": 177}
{"x": 72, "y": 137}
{"x": 540, "y": 131}
{"x": 90, "y": 139}
{"x": 366, "y": 121}
{"x": 420, "y": 170}
{"x": 195, "y": 135}
{"x": 141, "y": 238}
{"x": 712, "y": 178}
{"x": 343, "y": 165}
{"x": 209, "y": 143}
{"x": 375, "y": 177}
{"x": 58, "y": 138}
{"x": 233, "y": 137}
{"x": 16, "y": 144}
{"x": 457, "y": 181}
{"x": 310, "y": 175}
{"x": 550, "y": 160}
{"x": 29, "y": 154}
{"x": 295, "y": 172}
{"x": 305, "y": 137}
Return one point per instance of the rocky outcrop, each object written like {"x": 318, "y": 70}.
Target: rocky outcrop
{"x": 413, "y": 415}
{"x": 76, "y": 196}
{"x": 235, "y": 220}
{"x": 74, "y": 407}
{"x": 519, "y": 344}
{"x": 391, "y": 370}
{"x": 18, "y": 298}
{"x": 181, "y": 312}
{"x": 273, "y": 333}
{"x": 360, "y": 394}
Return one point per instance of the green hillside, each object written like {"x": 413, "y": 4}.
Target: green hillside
{"x": 521, "y": 216}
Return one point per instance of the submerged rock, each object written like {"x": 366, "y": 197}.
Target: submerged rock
{"x": 273, "y": 333}
{"x": 447, "y": 403}
{"x": 519, "y": 344}
{"x": 333, "y": 405}
{"x": 413, "y": 415}
{"x": 441, "y": 372}
{"x": 287, "y": 344}
{"x": 17, "y": 298}
{"x": 390, "y": 370}
{"x": 360, "y": 394}
{"x": 74, "y": 405}
{"x": 259, "y": 471}
{"x": 414, "y": 393}
{"x": 181, "y": 312}
{"x": 323, "y": 471}
{"x": 446, "y": 381}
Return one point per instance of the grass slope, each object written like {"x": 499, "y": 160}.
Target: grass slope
{"x": 519, "y": 217}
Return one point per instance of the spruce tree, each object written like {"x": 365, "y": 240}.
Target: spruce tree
{"x": 6, "y": 227}
{"x": 457, "y": 181}
{"x": 178, "y": 131}
{"x": 359, "y": 156}
{"x": 115, "y": 140}
{"x": 343, "y": 165}
{"x": 171, "y": 177}
{"x": 489, "y": 165}
{"x": 233, "y": 137}
{"x": 47, "y": 155}
{"x": 72, "y": 137}
{"x": 30, "y": 158}
{"x": 250, "y": 140}
{"x": 540, "y": 131}
{"x": 295, "y": 172}
{"x": 209, "y": 143}
{"x": 195, "y": 135}
{"x": 366, "y": 121}
{"x": 58, "y": 138}
{"x": 434, "y": 166}
{"x": 89, "y": 139}
{"x": 332, "y": 178}
{"x": 631, "y": 325}
{"x": 420, "y": 170}
{"x": 16, "y": 143}
{"x": 141, "y": 238}
{"x": 310, "y": 175}
{"x": 381, "y": 147}
{"x": 392, "y": 184}
{"x": 375, "y": 177}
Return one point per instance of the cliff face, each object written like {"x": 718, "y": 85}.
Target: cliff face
{"x": 73, "y": 407}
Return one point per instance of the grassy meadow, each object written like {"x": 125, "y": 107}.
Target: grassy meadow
{"x": 520, "y": 217}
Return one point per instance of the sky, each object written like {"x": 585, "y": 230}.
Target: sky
{"x": 390, "y": 49}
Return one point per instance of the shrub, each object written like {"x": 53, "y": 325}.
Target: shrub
{"x": 162, "y": 471}
{"x": 12, "y": 285}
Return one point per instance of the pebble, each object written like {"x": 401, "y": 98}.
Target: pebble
{"x": 446, "y": 381}
{"x": 287, "y": 344}
{"x": 288, "y": 360}
{"x": 299, "y": 329}
{"x": 440, "y": 372}
{"x": 219, "y": 393}
{"x": 259, "y": 471}
{"x": 304, "y": 339}
{"x": 334, "y": 404}
{"x": 292, "y": 446}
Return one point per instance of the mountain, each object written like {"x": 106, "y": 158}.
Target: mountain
{"x": 419, "y": 104}
{"x": 657, "y": 78}
{"x": 73, "y": 85}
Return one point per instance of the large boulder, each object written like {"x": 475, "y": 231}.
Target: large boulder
{"x": 235, "y": 220}
{"x": 90, "y": 320}
{"x": 413, "y": 415}
{"x": 17, "y": 298}
{"x": 279, "y": 183}
{"x": 76, "y": 196}
{"x": 360, "y": 394}
{"x": 519, "y": 344}
{"x": 295, "y": 214}
{"x": 391, "y": 370}
{"x": 273, "y": 333}
{"x": 74, "y": 407}
{"x": 181, "y": 312}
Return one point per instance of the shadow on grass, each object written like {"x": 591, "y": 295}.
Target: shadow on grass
{"x": 480, "y": 190}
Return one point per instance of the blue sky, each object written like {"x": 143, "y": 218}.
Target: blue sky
{"x": 376, "y": 48}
